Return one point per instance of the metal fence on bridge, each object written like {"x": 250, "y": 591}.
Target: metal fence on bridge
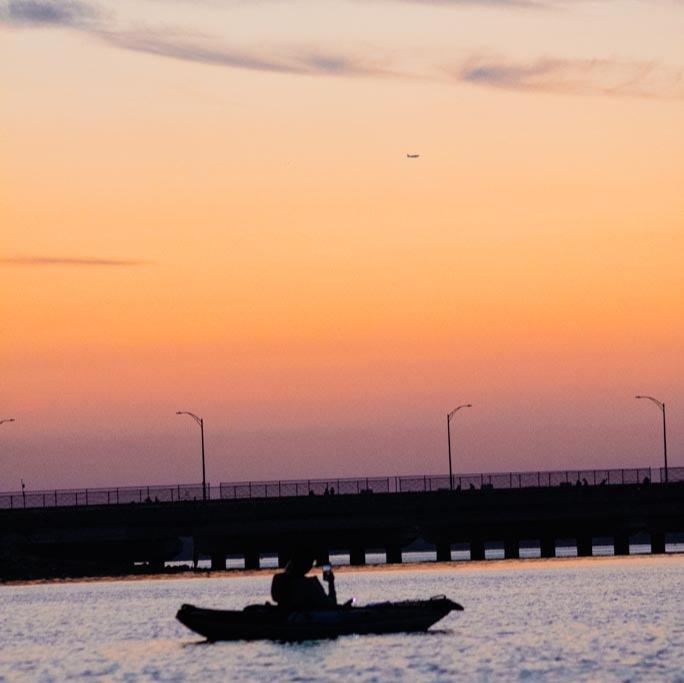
{"x": 333, "y": 486}
{"x": 675, "y": 474}
{"x": 100, "y": 496}
{"x": 426, "y": 483}
{"x": 520, "y": 480}
{"x": 306, "y": 487}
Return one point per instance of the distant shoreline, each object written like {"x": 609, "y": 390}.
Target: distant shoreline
{"x": 467, "y": 566}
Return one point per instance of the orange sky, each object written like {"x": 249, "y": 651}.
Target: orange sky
{"x": 208, "y": 206}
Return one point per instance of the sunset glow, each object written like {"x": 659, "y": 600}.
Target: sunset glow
{"x": 209, "y": 207}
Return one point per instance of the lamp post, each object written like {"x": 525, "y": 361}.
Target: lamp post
{"x": 7, "y": 419}
{"x": 660, "y": 405}
{"x": 449, "y": 416}
{"x": 200, "y": 422}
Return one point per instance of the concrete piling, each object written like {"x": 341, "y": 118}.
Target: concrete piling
{"x": 511, "y": 549}
{"x": 393, "y": 554}
{"x": 443, "y": 549}
{"x": 657, "y": 542}
{"x": 547, "y": 546}
{"x": 621, "y": 544}
{"x": 218, "y": 559}
{"x": 252, "y": 559}
{"x": 585, "y": 546}
{"x": 477, "y": 549}
{"x": 357, "y": 556}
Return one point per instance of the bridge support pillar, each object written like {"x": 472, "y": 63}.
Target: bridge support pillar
{"x": 156, "y": 566}
{"x": 283, "y": 558}
{"x": 584, "y": 546}
{"x": 621, "y": 544}
{"x": 443, "y": 549}
{"x": 477, "y": 549}
{"x": 252, "y": 559}
{"x": 393, "y": 554}
{"x": 357, "y": 556}
{"x": 657, "y": 541}
{"x": 547, "y": 546}
{"x": 218, "y": 559}
{"x": 511, "y": 549}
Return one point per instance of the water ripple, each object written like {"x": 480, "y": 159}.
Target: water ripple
{"x": 611, "y": 619}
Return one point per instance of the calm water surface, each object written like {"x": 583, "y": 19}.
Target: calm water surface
{"x": 600, "y": 619}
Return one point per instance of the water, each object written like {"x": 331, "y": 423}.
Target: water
{"x": 607, "y": 619}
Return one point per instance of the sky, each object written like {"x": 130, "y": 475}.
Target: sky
{"x": 208, "y": 206}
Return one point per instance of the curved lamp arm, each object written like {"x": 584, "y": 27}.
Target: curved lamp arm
{"x": 457, "y": 408}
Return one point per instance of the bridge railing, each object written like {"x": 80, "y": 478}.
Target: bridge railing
{"x": 674, "y": 474}
{"x": 100, "y": 496}
{"x": 518, "y": 480}
{"x": 426, "y": 483}
{"x": 306, "y": 487}
{"x": 333, "y": 486}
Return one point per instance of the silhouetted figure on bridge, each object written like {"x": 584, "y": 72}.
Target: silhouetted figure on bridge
{"x": 293, "y": 590}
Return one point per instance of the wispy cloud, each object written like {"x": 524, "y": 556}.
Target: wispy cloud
{"x": 577, "y": 76}
{"x": 33, "y": 261}
{"x": 483, "y": 3}
{"x": 79, "y": 12}
{"x": 512, "y": 4}
{"x": 48, "y": 12}
{"x": 204, "y": 50}
{"x": 572, "y": 76}
{"x": 179, "y": 44}
{"x": 192, "y": 49}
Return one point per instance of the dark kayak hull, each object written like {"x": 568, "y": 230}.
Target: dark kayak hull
{"x": 260, "y": 622}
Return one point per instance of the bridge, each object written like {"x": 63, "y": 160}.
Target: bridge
{"x": 101, "y": 531}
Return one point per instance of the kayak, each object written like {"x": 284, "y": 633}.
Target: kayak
{"x": 257, "y": 622}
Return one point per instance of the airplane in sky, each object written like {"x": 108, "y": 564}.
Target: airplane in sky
{"x": 412, "y": 156}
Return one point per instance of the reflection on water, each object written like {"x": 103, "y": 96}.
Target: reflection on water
{"x": 595, "y": 619}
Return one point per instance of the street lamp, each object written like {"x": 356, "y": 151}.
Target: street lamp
{"x": 200, "y": 422}
{"x": 660, "y": 405}
{"x": 449, "y": 416}
{"x": 7, "y": 419}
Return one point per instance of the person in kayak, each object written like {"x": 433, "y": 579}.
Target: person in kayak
{"x": 293, "y": 590}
